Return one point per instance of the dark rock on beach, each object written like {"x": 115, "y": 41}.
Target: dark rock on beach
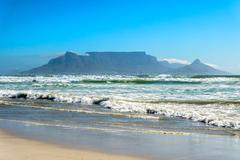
{"x": 151, "y": 111}
{"x": 48, "y": 97}
{"x": 20, "y": 95}
{"x": 97, "y": 102}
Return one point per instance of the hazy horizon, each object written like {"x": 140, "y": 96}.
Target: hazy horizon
{"x": 33, "y": 32}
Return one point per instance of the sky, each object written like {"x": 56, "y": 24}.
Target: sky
{"x": 32, "y": 32}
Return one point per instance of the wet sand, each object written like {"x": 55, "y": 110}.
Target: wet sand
{"x": 27, "y": 138}
{"x": 18, "y": 148}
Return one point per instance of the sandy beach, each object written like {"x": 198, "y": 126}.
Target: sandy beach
{"x": 18, "y": 148}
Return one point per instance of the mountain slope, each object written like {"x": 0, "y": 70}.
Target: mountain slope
{"x": 198, "y": 68}
{"x": 172, "y": 65}
{"x": 119, "y": 63}
{"x": 102, "y": 63}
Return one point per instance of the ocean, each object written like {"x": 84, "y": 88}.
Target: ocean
{"x": 211, "y": 100}
{"x": 111, "y": 111}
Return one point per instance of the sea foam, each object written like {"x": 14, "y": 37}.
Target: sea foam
{"x": 212, "y": 100}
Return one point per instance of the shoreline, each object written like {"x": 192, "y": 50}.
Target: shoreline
{"x": 19, "y": 142}
{"x": 21, "y": 138}
{"x": 13, "y": 147}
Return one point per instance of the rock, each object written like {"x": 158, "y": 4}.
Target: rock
{"x": 20, "y": 95}
{"x": 97, "y": 102}
{"x": 48, "y": 97}
{"x": 151, "y": 111}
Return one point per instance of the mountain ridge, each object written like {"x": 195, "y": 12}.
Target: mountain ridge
{"x": 197, "y": 67}
{"x": 136, "y": 62}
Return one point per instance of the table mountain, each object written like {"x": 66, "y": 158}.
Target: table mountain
{"x": 118, "y": 63}
{"x": 102, "y": 63}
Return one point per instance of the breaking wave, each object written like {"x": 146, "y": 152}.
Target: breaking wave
{"x": 214, "y": 100}
{"x": 137, "y": 81}
{"x": 213, "y": 113}
{"x": 222, "y": 113}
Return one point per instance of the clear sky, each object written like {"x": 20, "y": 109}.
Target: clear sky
{"x": 33, "y": 31}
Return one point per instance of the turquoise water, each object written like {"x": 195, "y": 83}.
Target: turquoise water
{"x": 138, "y": 115}
{"x": 209, "y": 100}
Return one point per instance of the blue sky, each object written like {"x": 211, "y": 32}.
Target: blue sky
{"x": 33, "y": 31}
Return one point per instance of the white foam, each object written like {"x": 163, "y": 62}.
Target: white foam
{"x": 75, "y": 78}
{"x": 130, "y": 98}
{"x": 212, "y": 114}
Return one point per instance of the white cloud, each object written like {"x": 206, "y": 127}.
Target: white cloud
{"x": 212, "y": 65}
{"x": 174, "y": 60}
{"x": 181, "y": 61}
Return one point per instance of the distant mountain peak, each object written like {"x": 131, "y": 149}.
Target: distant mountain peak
{"x": 69, "y": 53}
{"x": 197, "y": 61}
{"x": 197, "y": 67}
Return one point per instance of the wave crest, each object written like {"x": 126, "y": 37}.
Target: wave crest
{"x": 222, "y": 113}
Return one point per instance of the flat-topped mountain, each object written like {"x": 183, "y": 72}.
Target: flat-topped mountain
{"x": 118, "y": 63}
{"x": 102, "y": 63}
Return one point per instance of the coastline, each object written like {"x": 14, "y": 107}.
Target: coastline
{"x": 21, "y": 136}
{"x": 20, "y": 142}
{"x": 13, "y": 147}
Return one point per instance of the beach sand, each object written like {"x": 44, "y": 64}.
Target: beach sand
{"x": 18, "y": 148}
